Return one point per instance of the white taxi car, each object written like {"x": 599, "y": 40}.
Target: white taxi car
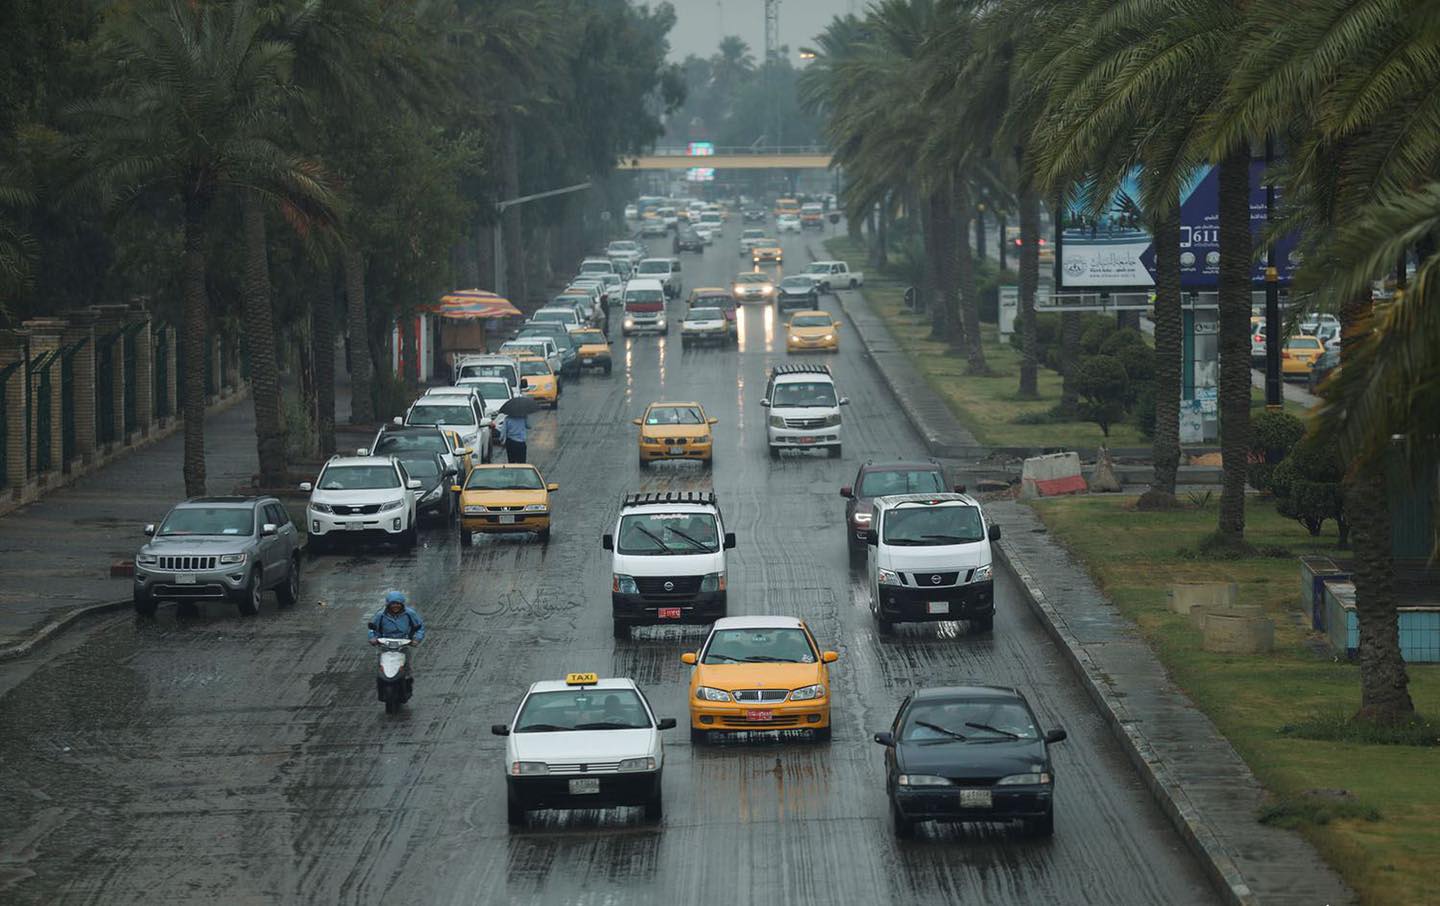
{"x": 583, "y": 743}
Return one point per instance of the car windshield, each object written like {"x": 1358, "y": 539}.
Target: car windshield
{"x": 491, "y": 390}
{"x": 900, "y": 481}
{"x": 555, "y": 315}
{"x": 1302, "y": 343}
{"x": 596, "y": 267}
{"x": 557, "y": 334}
{"x": 623, "y": 245}
{"x": 764, "y": 645}
{"x": 527, "y": 349}
{"x": 644, "y": 296}
{"x": 411, "y": 440}
{"x": 705, "y": 314}
{"x": 674, "y": 415}
{"x": 971, "y": 720}
{"x": 358, "y": 478}
{"x": 569, "y": 301}
{"x": 750, "y": 277}
{"x": 207, "y": 520}
{"x": 506, "y": 479}
{"x": 654, "y": 267}
{"x": 753, "y": 234}
{"x": 487, "y": 370}
{"x": 818, "y": 269}
{"x": 534, "y": 367}
{"x": 441, "y": 415}
{"x": 582, "y": 709}
{"x": 811, "y": 321}
{"x": 668, "y": 533}
{"x": 589, "y": 337}
{"x": 801, "y": 283}
{"x": 426, "y": 469}
{"x": 921, "y": 525}
{"x": 799, "y": 394}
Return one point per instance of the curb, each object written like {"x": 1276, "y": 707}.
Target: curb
{"x": 1193, "y": 827}
{"x": 43, "y": 634}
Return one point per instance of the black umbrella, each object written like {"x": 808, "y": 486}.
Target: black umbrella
{"x": 519, "y": 405}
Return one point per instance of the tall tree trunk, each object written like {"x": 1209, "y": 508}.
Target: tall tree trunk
{"x": 969, "y": 296}
{"x": 1029, "y": 284}
{"x": 515, "y": 278}
{"x": 882, "y": 247}
{"x": 1070, "y": 329}
{"x": 362, "y": 367}
{"x": 485, "y": 256}
{"x": 194, "y": 335}
{"x": 1169, "y": 352}
{"x": 409, "y": 353}
{"x": 1234, "y": 294}
{"x": 260, "y": 339}
{"x": 980, "y": 233}
{"x": 939, "y": 287}
{"x": 322, "y": 352}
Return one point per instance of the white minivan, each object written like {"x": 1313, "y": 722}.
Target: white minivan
{"x": 804, "y": 410}
{"x": 929, "y": 560}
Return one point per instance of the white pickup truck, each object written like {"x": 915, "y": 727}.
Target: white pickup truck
{"x": 832, "y": 275}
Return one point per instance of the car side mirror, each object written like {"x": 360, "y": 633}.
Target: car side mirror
{"x": 414, "y": 484}
{"x": 886, "y": 739}
{"x": 959, "y": 489}
{"x": 361, "y": 451}
{"x": 1056, "y": 735}
{"x": 552, "y": 487}
{"x": 524, "y": 383}
{"x": 304, "y": 486}
{"x": 844, "y": 400}
{"x": 829, "y": 657}
{"x": 836, "y": 325}
{"x": 871, "y": 538}
{"x": 607, "y": 541}
{"x": 149, "y": 528}
{"x": 665, "y": 723}
{"x": 268, "y": 528}
{"x": 634, "y": 421}
{"x": 500, "y": 729}
{"x": 765, "y": 404}
{"x": 713, "y": 420}
{"x": 456, "y": 488}
{"x": 994, "y": 533}
{"x": 847, "y": 491}
{"x": 463, "y": 451}
{"x": 688, "y": 658}
{"x": 398, "y": 420}
{"x": 729, "y": 540}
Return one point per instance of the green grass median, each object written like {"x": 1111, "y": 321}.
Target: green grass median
{"x": 1383, "y": 837}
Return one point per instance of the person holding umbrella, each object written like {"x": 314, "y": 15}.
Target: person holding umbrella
{"x": 517, "y": 426}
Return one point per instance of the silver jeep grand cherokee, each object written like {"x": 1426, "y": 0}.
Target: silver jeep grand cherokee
{"x": 213, "y": 548}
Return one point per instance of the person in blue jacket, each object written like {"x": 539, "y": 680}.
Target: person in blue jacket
{"x": 397, "y": 620}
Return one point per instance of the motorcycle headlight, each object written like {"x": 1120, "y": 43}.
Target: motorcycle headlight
{"x": 528, "y": 768}
{"x": 391, "y": 505}
{"x": 472, "y": 508}
{"x": 633, "y": 765}
{"x": 713, "y": 582}
{"x": 981, "y": 575}
{"x": 863, "y": 518}
{"x": 321, "y": 507}
{"x": 146, "y": 560}
{"x": 887, "y": 577}
{"x": 232, "y": 558}
{"x": 777, "y": 421}
{"x": 1036, "y": 779}
{"x": 705, "y": 693}
{"x": 808, "y": 693}
{"x": 534, "y": 507}
{"x": 625, "y": 585}
{"x": 832, "y": 420}
{"x": 922, "y": 780}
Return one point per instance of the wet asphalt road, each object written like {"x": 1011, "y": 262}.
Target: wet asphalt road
{"x": 247, "y": 761}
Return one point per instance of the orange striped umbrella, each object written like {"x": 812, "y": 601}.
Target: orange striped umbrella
{"x": 472, "y": 303}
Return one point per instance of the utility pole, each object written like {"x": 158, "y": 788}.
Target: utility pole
{"x": 772, "y": 65}
{"x": 499, "y": 234}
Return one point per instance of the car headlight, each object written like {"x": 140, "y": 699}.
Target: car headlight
{"x": 228, "y": 559}
{"x": 391, "y": 505}
{"x": 808, "y": 693}
{"x": 705, "y": 693}
{"x": 472, "y": 508}
{"x": 531, "y": 768}
{"x": 777, "y": 421}
{"x": 887, "y": 577}
{"x": 629, "y": 322}
{"x": 832, "y": 420}
{"x": 647, "y": 439}
{"x": 146, "y": 559}
{"x": 624, "y": 584}
{"x": 434, "y": 493}
{"x": 713, "y": 582}
{"x": 863, "y": 518}
{"x": 632, "y": 765}
{"x": 1036, "y": 779}
{"x": 534, "y": 507}
{"x": 321, "y": 507}
{"x": 922, "y": 780}
{"x": 981, "y": 575}
{"x": 827, "y": 337}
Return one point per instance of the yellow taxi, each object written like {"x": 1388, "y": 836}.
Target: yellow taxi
{"x": 757, "y": 674}
{"x": 675, "y": 431}
{"x": 504, "y": 498}
{"x": 715, "y": 297}
{"x": 537, "y": 381}
{"x": 1299, "y": 354}
{"x": 812, "y": 330}
{"x": 768, "y": 253}
{"x": 594, "y": 348}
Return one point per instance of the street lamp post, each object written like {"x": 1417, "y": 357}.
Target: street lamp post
{"x": 498, "y": 232}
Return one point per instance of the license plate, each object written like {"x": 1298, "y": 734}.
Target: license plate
{"x": 974, "y": 798}
{"x": 355, "y": 526}
{"x": 759, "y": 715}
{"x": 184, "y": 580}
{"x": 507, "y": 519}
{"x": 677, "y": 451}
{"x": 588, "y": 785}
{"x": 940, "y": 607}
{"x": 669, "y": 613}
{"x": 805, "y": 440}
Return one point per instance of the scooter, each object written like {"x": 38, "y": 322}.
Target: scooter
{"x": 393, "y": 684}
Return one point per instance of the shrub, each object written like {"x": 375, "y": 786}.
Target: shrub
{"x": 1096, "y": 330}
{"x": 1121, "y": 339}
{"x": 1272, "y": 436}
{"x": 392, "y": 397}
{"x": 1307, "y": 488}
{"x": 1103, "y": 388}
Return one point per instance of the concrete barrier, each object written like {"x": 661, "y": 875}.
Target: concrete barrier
{"x": 1237, "y": 631}
{"x": 1185, "y": 596}
{"x": 1051, "y": 475}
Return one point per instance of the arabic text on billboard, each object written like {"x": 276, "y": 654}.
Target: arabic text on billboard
{"x": 700, "y": 174}
{"x": 701, "y": 149}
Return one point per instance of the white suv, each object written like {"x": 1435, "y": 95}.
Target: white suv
{"x": 666, "y": 270}
{"x": 804, "y": 409}
{"x": 362, "y": 496}
{"x": 460, "y": 412}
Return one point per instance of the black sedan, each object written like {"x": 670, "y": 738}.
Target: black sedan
{"x": 687, "y": 240}
{"x": 969, "y": 753}
{"x": 436, "y": 498}
{"x": 796, "y": 294}
{"x": 755, "y": 215}
{"x": 882, "y": 479}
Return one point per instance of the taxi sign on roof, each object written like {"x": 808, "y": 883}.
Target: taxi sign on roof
{"x": 581, "y": 679}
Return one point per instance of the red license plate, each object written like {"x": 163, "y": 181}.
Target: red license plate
{"x": 759, "y": 715}
{"x": 669, "y": 613}
{"x": 806, "y": 440}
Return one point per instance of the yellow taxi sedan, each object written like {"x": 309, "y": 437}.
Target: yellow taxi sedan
{"x": 1299, "y": 354}
{"x": 504, "y": 499}
{"x": 808, "y": 331}
{"x": 537, "y": 381}
{"x": 761, "y": 673}
{"x": 594, "y": 348}
{"x": 675, "y": 431}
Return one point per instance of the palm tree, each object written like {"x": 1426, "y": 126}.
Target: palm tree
{"x": 18, "y": 250}
{"x": 188, "y": 111}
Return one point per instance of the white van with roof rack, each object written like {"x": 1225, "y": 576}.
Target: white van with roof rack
{"x": 804, "y": 410}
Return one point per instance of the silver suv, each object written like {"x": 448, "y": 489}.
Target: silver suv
{"x": 217, "y": 548}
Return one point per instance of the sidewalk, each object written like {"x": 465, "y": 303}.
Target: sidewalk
{"x": 55, "y": 554}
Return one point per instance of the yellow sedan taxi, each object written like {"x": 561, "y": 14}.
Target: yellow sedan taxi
{"x": 767, "y": 251}
{"x": 1299, "y": 354}
{"x": 812, "y": 330}
{"x": 675, "y": 431}
{"x": 537, "y": 381}
{"x": 594, "y": 351}
{"x": 759, "y": 673}
{"x": 504, "y": 499}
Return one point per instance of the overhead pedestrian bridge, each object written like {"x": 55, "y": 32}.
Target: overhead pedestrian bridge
{"x": 800, "y": 157}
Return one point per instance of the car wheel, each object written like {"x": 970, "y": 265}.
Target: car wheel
{"x": 654, "y": 808}
{"x": 644, "y": 463}
{"x": 1044, "y": 826}
{"x": 904, "y": 827}
{"x": 774, "y": 452}
{"x": 835, "y": 452}
{"x": 289, "y": 592}
{"x": 822, "y": 734}
{"x": 467, "y": 537}
{"x": 607, "y": 369}
{"x": 884, "y": 626}
{"x": 699, "y": 737}
{"x": 392, "y": 705}
{"x": 620, "y": 629}
{"x": 249, "y": 603}
{"x": 316, "y": 545}
{"x": 411, "y": 537}
{"x": 145, "y": 605}
{"x": 544, "y": 535}
{"x": 983, "y": 624}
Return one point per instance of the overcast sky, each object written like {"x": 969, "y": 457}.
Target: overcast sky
{"x": 701, "y": 23}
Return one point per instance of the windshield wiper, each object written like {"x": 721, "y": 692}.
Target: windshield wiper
{"x": 767, "y": 659}
{"x": 698, "y": 544}
{"x": 653, "y": 537}
{"x": 939, "y": 729}
{"x": 733, "y": 660}
{"x": 607, "y": 726}
{"x": 953, "y": 539}
{"x": 993, "y": 730}
{"x": 539, "y": 728}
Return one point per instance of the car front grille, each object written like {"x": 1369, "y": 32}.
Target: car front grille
{"x": 804, "y": 422}
{"x": 168, "y": 592}
{"x": 761, "y": 696}
{"x": 776, "y": 723}
{"x": 929, "y": 580}
{"x": 589, "y": 767}
{"x": 187, "y": 563}
{"x": 369, "y": 509}
{"x": 654, "y": 586}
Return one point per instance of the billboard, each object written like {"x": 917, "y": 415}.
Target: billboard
{"x": 1116, "y": 251}
{"x": 700, "y": 174}
{"x": 700, "y": 149}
